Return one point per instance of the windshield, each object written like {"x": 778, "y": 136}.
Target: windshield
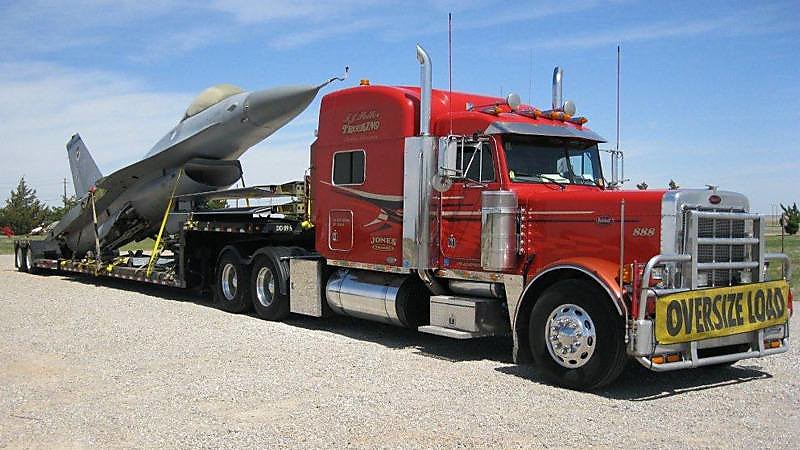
{"x": 552, "y": 160}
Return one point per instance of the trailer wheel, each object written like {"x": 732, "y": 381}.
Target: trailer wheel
{"x": 29, "y": 266}
{"x": 231, "y": 284}
{"x": 268, "y": 302}
{"x": 576, "y": 336}
{"x": 21, "y": 259}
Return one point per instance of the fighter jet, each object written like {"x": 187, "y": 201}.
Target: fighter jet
{"x": 199, "y": 154}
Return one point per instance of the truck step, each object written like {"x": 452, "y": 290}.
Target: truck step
{"x": 450, "y": 332}
{"x": 466, "y": 317}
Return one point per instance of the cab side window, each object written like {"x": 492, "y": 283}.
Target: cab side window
{"x": 479, "y": 164}
{"x": 348, "y": 167}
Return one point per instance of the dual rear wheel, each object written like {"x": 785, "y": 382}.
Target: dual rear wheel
{"x": 23, "y": 259}
{"x": 239, "y": 286}
{"x": 267, "y": 299}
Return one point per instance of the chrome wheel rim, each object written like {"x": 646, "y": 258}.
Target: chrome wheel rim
{"x": 229, "y": 281}
{"x": 265, "y": 287}
{"x": 28, "y": 260}
{"x": 19, "y": 257}
{"x": 570, "y": 336}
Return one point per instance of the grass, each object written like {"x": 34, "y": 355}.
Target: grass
{"x": 7, "y": 243}
{"x": 146, "y": 245}
{"x": 791, "y": 247}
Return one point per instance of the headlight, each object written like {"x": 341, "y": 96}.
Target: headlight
{"x": 745, "y": 276}
{"x": 657, "y": 276}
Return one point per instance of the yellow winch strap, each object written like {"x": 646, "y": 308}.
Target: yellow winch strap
{"x": 156, "y": 250}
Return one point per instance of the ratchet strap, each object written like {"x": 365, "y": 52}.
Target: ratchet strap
{"x": 157, "y": 246}
{"x": 97, "y": 258}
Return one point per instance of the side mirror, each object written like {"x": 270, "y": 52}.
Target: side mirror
{"x": 447, "y": 159}
{"x": 448, "y": 156}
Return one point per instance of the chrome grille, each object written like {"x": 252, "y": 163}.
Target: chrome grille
{"x": 714, "y": 255}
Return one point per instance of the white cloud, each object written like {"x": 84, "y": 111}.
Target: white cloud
{"x": 47, "y": 26}
{"x": 316, "y": 34}
{"x": 248, "y": 11}
{"x": 176, "y": 43}
{"x": 284, "y": 156}
{"x": 692, "y": 166}
{"x": 754, "y": 20}
{"x": 44, "y": 104}
{"x": 119, "y": 119}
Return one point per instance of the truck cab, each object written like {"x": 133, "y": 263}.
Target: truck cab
{"x": 498, "y": 214}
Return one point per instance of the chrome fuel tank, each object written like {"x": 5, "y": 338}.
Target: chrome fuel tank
{"x": 498, "y": 230}
{"x": 381, "y": 297}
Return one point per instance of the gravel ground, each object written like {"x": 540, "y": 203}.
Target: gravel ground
{"x": 121, "y": 365}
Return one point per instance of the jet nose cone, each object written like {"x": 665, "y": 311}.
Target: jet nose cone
{"x": 273, "y": 108}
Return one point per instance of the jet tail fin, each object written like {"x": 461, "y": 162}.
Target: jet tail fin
{"x": 84, "y": 170}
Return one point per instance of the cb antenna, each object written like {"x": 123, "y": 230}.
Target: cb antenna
{"x": 450, "y": 66}
{"x": 618, "y": 64}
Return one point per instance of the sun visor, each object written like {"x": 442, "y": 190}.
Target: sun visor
{"x": 542, "y": 130}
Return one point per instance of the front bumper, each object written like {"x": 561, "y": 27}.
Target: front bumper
{"x": 652, "y": 355}
{"x": 642, "y": 344}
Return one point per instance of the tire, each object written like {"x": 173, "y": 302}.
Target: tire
{"x": 29, "y": 266}
{"x": 265, "y": 294}
{"x": 231, "y": 284}
{"x": 21, "y": 258}
{"x": 593, "y": 358}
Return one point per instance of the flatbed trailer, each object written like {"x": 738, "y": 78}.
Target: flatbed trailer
{"x": 181, "y": 267}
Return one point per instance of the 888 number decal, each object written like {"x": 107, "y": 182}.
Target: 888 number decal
{"x": 644, "y": 232}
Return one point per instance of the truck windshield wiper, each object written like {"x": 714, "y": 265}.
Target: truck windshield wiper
{"x": 586, "y": 182}
{"x": 541, "y": 177}
{"x": 552, "y": 180}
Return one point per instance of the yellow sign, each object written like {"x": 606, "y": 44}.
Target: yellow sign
{"x": 707, "y": 313}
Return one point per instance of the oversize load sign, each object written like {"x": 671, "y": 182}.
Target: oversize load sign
{"x": 706, "y": 313}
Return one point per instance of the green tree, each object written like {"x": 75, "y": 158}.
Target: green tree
{"x": 212, "y": 204}
{"x": 23, "y": 211}
{"x": 792, "y": 218}
{"x": 55, "y": 213}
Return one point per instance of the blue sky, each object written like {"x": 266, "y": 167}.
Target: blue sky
{"x": 709, "y": 89}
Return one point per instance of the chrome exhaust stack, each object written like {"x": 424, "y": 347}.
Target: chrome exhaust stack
{"x": 426, "y": 74}
{"x": 558, "y": 98}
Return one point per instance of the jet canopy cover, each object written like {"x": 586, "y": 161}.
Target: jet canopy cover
{"x": 210, "y": 97}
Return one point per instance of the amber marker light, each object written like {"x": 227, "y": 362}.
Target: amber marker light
{"x": 627, "y": 273}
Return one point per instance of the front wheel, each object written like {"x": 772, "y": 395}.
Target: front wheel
{"x": 577, "y": 338}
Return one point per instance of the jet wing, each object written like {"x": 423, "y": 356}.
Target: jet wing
{"x": 110, "y": 187}
{"x": 238, "y": 193}
{"x": 146, "y": 168}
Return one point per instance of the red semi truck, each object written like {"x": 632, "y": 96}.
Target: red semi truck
{"x": 468, "y": 216}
